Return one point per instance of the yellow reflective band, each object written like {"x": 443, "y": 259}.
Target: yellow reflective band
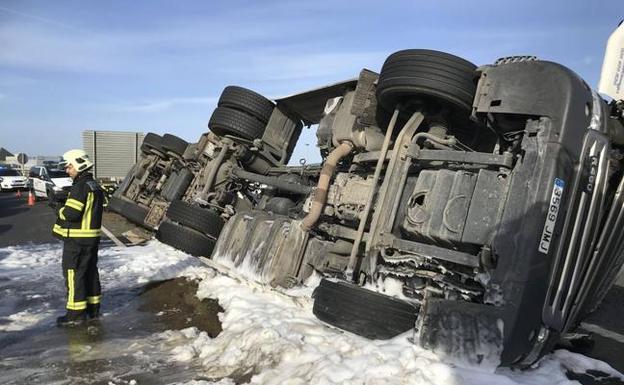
{"x": 76, "y": 233}
{"x": 61, "y": 214}
{"x": 74, "y": 204}
{"x": 86, "y": 216}
{"x": 71, "y": 305}
{"x": 94, "y": 299}
{"x": 70, "y": 285}
{"x": 77, "y": 305}
{"x": 59, "y": 230}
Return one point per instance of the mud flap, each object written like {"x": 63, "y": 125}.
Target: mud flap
{"x": 462, "y": 332}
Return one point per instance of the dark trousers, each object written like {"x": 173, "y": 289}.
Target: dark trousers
{"x": 82, "y": 279}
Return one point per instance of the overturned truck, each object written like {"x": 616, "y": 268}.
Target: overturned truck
{"x": 481, "y": 207}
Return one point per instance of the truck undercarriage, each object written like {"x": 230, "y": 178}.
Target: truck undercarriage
{"x": 481, "y": 207}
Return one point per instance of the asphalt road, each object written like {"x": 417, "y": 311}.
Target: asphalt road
{"x": 21, "y": 224}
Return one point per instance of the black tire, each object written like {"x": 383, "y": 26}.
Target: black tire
{"x": 129, "y": 210}
{"x": 245, "y": 100}
{"x": 151, "y": 142}
{"x": 227, "y": 121}
{"x": 428, "y": 75}
{"x": 174, "y": 144}
{"x": 363, "y": 312}
{"x": 185, "y": 239}
{"x": 206, "y": 221}
{"x": 115, "y": 204}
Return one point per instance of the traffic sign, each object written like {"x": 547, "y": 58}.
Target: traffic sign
{"x": 22, "y": 158}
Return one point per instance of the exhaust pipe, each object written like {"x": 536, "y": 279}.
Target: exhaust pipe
{"x": 320, "y": 194}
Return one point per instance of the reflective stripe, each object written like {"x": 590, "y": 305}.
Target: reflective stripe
{"x": 59, "y": 230}
{"x": 70, "y": 286}
{"x": 77, "y": 305}
{"x": 61, "y": 214}
{"x": 86, "y": 216}
{"x": 91, "y": 198}
{"x": 76, "y": 233}
{"x": 94, "y": 299}
{"x": 71, "y": 305}
{"x": 74, "y": 204}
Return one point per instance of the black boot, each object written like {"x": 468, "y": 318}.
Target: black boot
{"x": 72, "y": 318}
{"x": 93, "y": 310}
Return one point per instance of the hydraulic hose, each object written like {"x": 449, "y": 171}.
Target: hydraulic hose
{"x": 320, "y": 194}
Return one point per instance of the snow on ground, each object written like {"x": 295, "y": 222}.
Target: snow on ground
{"x": 39, "y": 268}
{"x": 272, "y": 335}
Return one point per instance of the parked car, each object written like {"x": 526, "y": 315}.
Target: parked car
{"x": 49, "y": 183}
{"x": 478, "y": 206}
{"x": 12, "y": 179}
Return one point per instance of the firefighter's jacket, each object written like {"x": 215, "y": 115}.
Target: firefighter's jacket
{"x": 80, "y": 218}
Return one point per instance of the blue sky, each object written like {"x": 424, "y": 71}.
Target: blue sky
{"x": 67, "y": 66}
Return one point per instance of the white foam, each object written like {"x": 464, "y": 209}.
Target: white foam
{"x": 279, "y": 339}
{"x": 272, "y": 335}
{"x": 580, "y": 363}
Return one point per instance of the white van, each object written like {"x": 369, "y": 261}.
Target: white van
{"x": 49, "y": 183}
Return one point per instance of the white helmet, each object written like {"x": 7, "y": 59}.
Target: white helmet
{"x": 77, "y": 158}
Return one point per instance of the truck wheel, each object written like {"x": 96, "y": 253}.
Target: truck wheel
{"x": 227, "y": 121}
{"x": 185, "y": 239}
{"x": 206, "y": 221}
{"x": 361, "y": 311}
{"x": 151, "y": 142}
{"x": 129, "y": 210}
{"x": 245, "y": 100}
{"x": 428, "y": 75}
{"x": 174, "y": 144}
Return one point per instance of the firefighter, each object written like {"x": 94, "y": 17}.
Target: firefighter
{"x": 78, "y": 225}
